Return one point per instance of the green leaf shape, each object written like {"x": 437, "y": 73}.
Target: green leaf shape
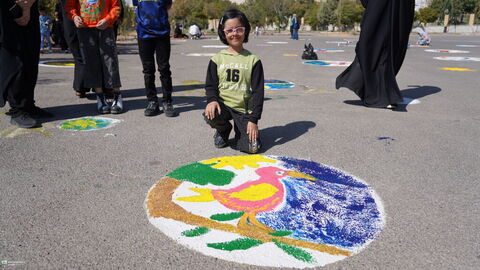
{"x": 202, "y": 174}
{"x": 196, "y": 232}
{"x": 295, "y": 252}
{"x": 237, "y": 244}
{"x": 280, "y": 233}
{"x": 227, "y": 217}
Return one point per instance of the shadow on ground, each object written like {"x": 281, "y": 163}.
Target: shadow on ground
{"x": 279, "y": 135}
{"x": 415, "y": 92}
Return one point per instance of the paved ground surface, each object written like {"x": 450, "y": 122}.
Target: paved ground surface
{"x": 75, "y": 199}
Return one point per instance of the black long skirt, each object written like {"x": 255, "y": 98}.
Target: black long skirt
{"x": 380, "y": 51}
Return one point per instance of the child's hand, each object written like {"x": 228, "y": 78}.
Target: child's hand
{"x": 102, "y": 24}
{"x": 210, "y": 109}
{"x": 252, "y": 131}
{"x": 78, "y": 22}
{"x": 23, "y": 21}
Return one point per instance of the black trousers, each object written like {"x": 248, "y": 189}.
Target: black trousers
{"x": 71, "y": 37}
{"x": 20, "y": 66}
{"x": 98, "y": 48}
{"x": 160, "y": 47}
{"x": 240, "y": 121}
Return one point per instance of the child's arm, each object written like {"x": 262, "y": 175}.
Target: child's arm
{"x": 73, "y": 13}
{"x": 211, "y": 89}
{"x": 112, "y": 15}
{"x": 258, "y": 93}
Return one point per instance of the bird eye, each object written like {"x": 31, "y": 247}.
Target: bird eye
{"x": 279, "y": 172}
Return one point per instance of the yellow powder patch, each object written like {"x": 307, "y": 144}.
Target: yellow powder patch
{"x": 238, "y": 162}
{"x": 289, "y": 54}
{"x": 457, "y": 69}
{"x": 255, "y": 193}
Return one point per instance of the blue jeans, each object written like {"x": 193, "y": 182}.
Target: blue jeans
{"x": 295, "y": 34}
{"x": 45, "y": 37}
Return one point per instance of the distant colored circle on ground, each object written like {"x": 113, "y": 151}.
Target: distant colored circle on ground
{"x": 278, "y": 84}
{"x": 88, "y": 123}
{"x": 418, "y": 46}
{"x": 329, "y": 50}
{"x": 445, "y": 51}
{"x": 215, "y": 46}
{"x": 457, "y": 69}
{"x": 461, "y": 59}
{"x": 200, "y": 54}
{"x": 328, "y": 63}
{"x": 57, "y": 63}
{"x": 266, "y": 210}
{"x": 277, "y": 42}
{"x": 264, "y": 45}
{"x": 289, "y": 54}
{"x": 469, "y": 46}
{"x": 409, "y": 101}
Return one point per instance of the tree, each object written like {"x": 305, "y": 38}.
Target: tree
{"x": 427, "y": 15}
{"x": 326, "y": 13}
{"x": 349, "y": 13}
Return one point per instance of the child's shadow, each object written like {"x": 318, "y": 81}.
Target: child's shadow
{"x": 279, "y": 135}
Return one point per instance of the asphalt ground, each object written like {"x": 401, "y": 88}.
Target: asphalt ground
{"x": 75, "y": 200}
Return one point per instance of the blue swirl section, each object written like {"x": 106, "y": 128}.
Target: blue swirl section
{"x": 336, "y": 209}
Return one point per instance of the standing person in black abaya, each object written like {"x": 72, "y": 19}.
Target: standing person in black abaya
{"x": 381, "y": 49}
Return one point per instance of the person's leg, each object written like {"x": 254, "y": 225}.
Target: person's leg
{"x": 162, "y": 50}
{"x": 111, "y": 72}
{"x": 42, "y": 41}
{"x": 49, "y": 42}
{"x": 221, "y": 123}
{"x": 71, "y": 38}
{"x": 243, "y": 142}
{"x": 146, "y": 49}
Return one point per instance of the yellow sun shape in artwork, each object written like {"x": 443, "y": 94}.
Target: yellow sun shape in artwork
{"x": 238, "y": 162}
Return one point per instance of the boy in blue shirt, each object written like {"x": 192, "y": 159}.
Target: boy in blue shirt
{"x": 45, "y": 22}
{"x": 153, "y": 30}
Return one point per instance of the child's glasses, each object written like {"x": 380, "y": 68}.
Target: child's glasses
{"x": 239, "y": 30}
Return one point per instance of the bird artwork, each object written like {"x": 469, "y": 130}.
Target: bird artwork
{"x": 264, "y": 194}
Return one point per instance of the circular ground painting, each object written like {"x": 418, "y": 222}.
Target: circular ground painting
{"x": 460, "y": 59}
{"x": 88, "y": 123}
{"x": 327, "y": 63}
{"x": 57, "y": 63}
{"x": 445, "y": 51}
{"x": 278, "y": 84}
{"x": 266, "y": 210}
{"x": 200, "y": 54}
{"x": 329, "y": 50}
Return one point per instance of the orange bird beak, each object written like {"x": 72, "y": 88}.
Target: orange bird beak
{"x": 296, "y": 174}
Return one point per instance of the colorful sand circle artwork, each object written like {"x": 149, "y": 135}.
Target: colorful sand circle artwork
{"x": 278, "y": 84}
{"x": 446, "y": 51}
{"x": 200, "y": 54}
{"x": 469, "y": 46}
{"x": 457, "y": 69}
{"x": 460, "y": 59}
{"x": 329, "y": 50}
{"x": 266, "y": 210}
{"x": 328, "y": 63}
{"x": 57, "y": 63}
{"x": 418, "y": 46}
{"x": 88, "y": 123}
{"x": 215, "y": 46}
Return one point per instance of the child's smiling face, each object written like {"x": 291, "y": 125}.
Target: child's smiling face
{"x": 234, "y": 32}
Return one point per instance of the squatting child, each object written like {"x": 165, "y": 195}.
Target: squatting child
{"x": 234, "y": 86}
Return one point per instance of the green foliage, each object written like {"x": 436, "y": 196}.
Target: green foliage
{"x": 349, "y": 13}
{"x": 327, "y": 13}
{"x": 295, "y": 252}
{"x": 127, "y": 24}
{"x": 202, "y": 174}
{"x": 196, "y": 232}
{"x": 238, "y": 244}
{"x": 281, "y": 233}
{"x": 427, "y": 15}
{"x": 199, "y": 11}
{"x": 227, "y": 217}
{"x": 49, "y": 6}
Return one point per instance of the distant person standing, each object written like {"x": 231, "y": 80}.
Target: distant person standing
{"x": 45, "y": 34}
{"x": 290, "y": 26}
{"x": 19, "y": 56}
{"x": 295, "y": 26}
{"x": 381, "y": 49}
{"x": 153, "y": 30}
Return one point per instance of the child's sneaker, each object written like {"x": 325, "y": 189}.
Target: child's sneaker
{"x": 218, "y": 140}
{"x": 102, "y": 104}
{"x": 253, "y": 147}
{"x": 152, "y": 108}
{"x": 117, "y": 104}
{"x": 169, "y": 110}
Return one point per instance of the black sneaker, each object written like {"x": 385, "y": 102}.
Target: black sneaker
{"x": 102, "y": 104}
{"x": 218, "y": 140}
{"x": 169, "y": 110}
{"x": 152, "y": 108}
{"x": 117, "y": 104}
{"x": 253, "y": 147}
{"x": 37, "y": 112}
{"x": 23, "y": 120}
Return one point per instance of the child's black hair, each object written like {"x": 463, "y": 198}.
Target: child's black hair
{"x": 41, "y": 8}
{"x": 232, "y": 14}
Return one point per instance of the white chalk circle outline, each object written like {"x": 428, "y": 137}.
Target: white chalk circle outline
{"x": 45, "y": 63}
{"x": 445, "y": 51}
{"x": 327, "y": 63}
{"x": 328, "y": 219}
{"x": 111, "y": 123}
{"x": 329, "y": 50}
{"x": 215, "y": 46}
{"x": 277, "y": 42}
{"x": 468, "y": 46}
{"x": 200, "y": 54}
{"x": 460, "y": 59}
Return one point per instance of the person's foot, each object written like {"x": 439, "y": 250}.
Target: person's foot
{"x": 169, "y": 110}
{"x": 218, "y": 141}
{"x": 37, "y": 112}
{"x": 117, "y": 104}
{"x": 152, "y": 108}
{"x": 80, "y": 94}
{"x": 102, "y": 104}
{"x": 23, "y": 120}
{"x": 253, "y": 147}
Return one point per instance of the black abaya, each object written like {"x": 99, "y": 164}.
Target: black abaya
{"x": 381, "y": 49}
